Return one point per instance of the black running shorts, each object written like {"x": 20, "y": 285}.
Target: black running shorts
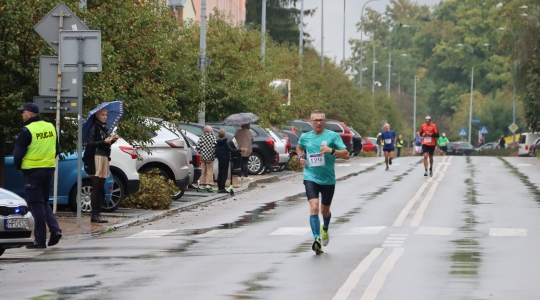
{"x": 444, "y": 149}
{"x": 428, "y": 149}
{"x": 388, "y": 149}
{"x": 313, "y": 189}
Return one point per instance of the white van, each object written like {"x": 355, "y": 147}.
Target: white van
{"x": 526, "y": 141}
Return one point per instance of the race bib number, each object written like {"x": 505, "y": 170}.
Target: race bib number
{"x": 427, "y": 139}
{"x": 388, "y": 141}
{"x": 316, "y": 160}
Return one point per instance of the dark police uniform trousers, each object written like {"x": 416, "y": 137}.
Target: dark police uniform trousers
{"x": 37, "y": 186}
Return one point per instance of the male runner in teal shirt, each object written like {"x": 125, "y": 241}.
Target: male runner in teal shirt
{"x": 317, "y": 151}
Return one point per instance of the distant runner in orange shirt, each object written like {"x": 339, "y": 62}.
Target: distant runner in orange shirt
{"x": 429, "y": 134}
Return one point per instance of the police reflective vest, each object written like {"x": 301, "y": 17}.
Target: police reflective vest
{"x": 400, "y": 143}
{"x": 41, "y": 152}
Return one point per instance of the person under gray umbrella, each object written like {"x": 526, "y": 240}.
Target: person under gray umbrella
{"x": 241, "y": 119}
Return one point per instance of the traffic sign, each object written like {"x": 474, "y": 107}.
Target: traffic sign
{"x": 513, "y": 127}
{"x": 462, "y": 132}
{"x": 47, "y": 104}
{"x": 91, "y": 52}
{"x": 475, "y": 121}
{"x": 49, "y": 26}
{"x": 48, "y": 78}
{"x": 484, "y": 130}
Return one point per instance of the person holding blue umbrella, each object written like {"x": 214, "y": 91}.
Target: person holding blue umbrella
{"x": 97, "y": 129}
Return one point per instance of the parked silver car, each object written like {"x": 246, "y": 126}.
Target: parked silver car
{"x": 16, "y": 221}
{"x": 166, "y": 153}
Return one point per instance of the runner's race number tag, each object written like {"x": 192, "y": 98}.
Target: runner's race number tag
{"x": 427, "y": 139}
{"x": 316, "y": 160}
{"x": 388, "y": 141}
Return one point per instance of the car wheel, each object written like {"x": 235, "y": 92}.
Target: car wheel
{"x": 178, "y": 195}
{"x": 255, "y": 164}
{"x": 86, "y": 193}
{"x": 116, "y": 197}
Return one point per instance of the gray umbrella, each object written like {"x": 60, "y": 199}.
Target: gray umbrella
{"x": 241, "y": 119}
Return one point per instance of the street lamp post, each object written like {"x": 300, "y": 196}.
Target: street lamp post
{"x": 301, "y": 42}
{"x": 472, "y": 85}
{"x": 343, "y": 61}
{"x": 514, "y": 79}
{"x": 202, "y": 65}
{"x": 390, "y": 62}
{"x": 362, "y": 39}
{"x": 414, "y": 109}
{"x": 373, "y": 77}
{"x": 322, "y": 33}
{"x": 263, "y": 32}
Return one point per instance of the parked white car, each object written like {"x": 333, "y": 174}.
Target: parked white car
{"x": 166, "y": 153}
{"x": 194, "y": 139}
{"x": 17, "y": 221}
{"x": 526, "y": 143}
{"x": 282, "y": 147}
{"x": 123, "y": 166}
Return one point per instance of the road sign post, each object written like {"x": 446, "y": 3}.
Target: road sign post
{"x": 462, "y": 132}
{"x": 48, "y": 28}
{"x": 484, "y": 130}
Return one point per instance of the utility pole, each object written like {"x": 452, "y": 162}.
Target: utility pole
{"x": 362, "y": 41}
{"x": 322, "y": 33}
{"x": 373, "y": 77}
{"x": 301, "y": 43}
{"x": 202, "y": 62}
{"x": 343, "y": 61}
{"x": 263, "y": 32}
{"x": 414, "y": 109}
{"x": 389, "y": 71}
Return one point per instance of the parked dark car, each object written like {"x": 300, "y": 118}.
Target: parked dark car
{"x": 460, "y": 148}
{"x": 293, "y": 139}
{"x": 301, "y": 126}
{"x": 263, "y": 155}
{"x": 357, "y": 142}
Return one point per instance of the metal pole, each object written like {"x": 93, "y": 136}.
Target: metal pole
{"x": 343, "y": 61}
{"x": 322, "y": 33}
{"x": 514, "y": 107}
{"x": 58, "y": 98}
{"x": 470, "y": 104}
{"x": 301, "y": 42}
{"x": 389, "y": 71}
{"x": 362, "y": 41}
{"x": 414, "y": 109}
{"x": 373, "y": 77}
{"x": 399, "y": 87}
{"x": 263, "y": 32}
{"x": 203, "y": 61}
{"x": 79, "y": 127}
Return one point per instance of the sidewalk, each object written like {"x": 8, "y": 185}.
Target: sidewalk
{"x": 125, "y": 217}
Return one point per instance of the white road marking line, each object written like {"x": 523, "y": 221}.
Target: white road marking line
{"x": 446, "y": 167}
{"x": 444, "y": 163}
{"x": 343, "y": 165}
{"x": 395, "y": 238}
{"x": 395, "y": 164}
{"x": 507, "y": 232}
{"x": 21, "y": 255}
{"x": 222, "y": 233}
{"x": 393, "y": 242}
{"x": 378, "y": 280}
{"x": 435, "y": 230}
{"x": 150, "y": 234}
{"x": 365, "y": 230}
{"x": 422, "y": 208}
{"x": 366, "y": 164}
{"x": 399, "y": 221}
{"x": 399, "y": 234}
{"x": 355, "y": 275}
{"x": 497, "y": 164}
{"x": 385, "y": 245}
{"x": 525, "y": 165}
{"x": 291, "y": 231}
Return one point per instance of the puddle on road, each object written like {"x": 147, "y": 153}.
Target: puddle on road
{"x": 68, "y": 292}
{"x": 254, "y": 285}
{"x": 467, "y": 256}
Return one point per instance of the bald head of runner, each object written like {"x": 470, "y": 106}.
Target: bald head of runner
{"x": 386, "y": 127}
{"x": 428, "y": 119}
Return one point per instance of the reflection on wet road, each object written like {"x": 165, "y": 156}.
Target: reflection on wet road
{"x": 468, "y": 232}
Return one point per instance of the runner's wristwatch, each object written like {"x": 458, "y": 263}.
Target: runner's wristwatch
{"x": 333, "y": 151}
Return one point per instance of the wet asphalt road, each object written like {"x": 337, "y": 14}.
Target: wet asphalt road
{"x": 469, "y": 232}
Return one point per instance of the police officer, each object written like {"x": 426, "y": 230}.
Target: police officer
{"x": 35, "y": 151}
{"x": 399, "y": 145}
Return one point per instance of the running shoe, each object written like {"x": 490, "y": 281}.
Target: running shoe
{"x": 425, "y": 173}
{"x": 325, "y": 237}
{"x": 317, "y": 246}
{"x": 386, "y": 168}
{"x": 390, "y": 161}
{"x": 430, "y": 173}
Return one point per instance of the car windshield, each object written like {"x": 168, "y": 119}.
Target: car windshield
{"x": 464, "y": 145}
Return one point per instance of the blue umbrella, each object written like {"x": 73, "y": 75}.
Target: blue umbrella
{"x": 115, "y": 111}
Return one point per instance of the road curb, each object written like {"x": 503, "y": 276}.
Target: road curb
{"x": 246, "y": 186}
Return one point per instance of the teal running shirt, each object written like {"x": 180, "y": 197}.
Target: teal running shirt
{"x": 320, "y": 168}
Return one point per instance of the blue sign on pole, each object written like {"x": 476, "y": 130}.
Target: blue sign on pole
{"x": 484, "y": 130}
{"x": 462, "y": 132}
{"x": 475, "y": 121}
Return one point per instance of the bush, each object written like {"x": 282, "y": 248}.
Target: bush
{"x": 294, "y": 165}
{"x": 155, "y": 192}
{"x": 367, "y": 154}
{"x": 495, "y": 152}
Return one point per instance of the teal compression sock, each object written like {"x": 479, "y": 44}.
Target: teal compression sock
{"x": 315, "y": 225}
{"x": 326, "y": 222}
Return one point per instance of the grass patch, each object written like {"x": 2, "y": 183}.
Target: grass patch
{"x": 495, "y": 152}
{"x": 367, "y": 154}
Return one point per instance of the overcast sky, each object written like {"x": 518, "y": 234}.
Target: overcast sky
{"x": 333, "y": 23}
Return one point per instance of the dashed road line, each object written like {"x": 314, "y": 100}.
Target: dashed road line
{"x": 378, "y": 280}
{"x": 507, "y": 232}
{"x": 151, "y": 234}
{"x": 291, "y": 231}
{"x": 28, "y": 254}
{"x": 423, "y": 206}
{"x": 222, "y": 233}
{"x": 365, "y": 230}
